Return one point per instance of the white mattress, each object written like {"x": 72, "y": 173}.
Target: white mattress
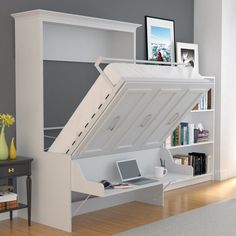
{"x": 143, "y": 106}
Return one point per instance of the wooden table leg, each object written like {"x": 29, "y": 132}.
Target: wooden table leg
{"x": 11, "y": 213}
{"x": 12, "y": 182}
{"x": 29, "y": 186}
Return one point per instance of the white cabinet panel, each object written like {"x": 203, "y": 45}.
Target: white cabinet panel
{"x": 111, "y": 125}
{"x": 149, "y": 112}
{"x": 162, "y": 127}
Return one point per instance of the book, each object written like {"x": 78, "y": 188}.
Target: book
{"x": 209, "y": 99}
{"x": 178, "y": 133}
{"x": 198, "y": 162}
{"x": 9, "y": 207}
{"x": 195, "y": 159}
{"x": 202, "y": 105}
{"x": 121, "y": 186}
{"x": 174, "y": 138}
{"x": 191, "y": 133}
{"x": 196, "y": 132}
{"x": 184, "y": 133}
{"x": 7, "y": 204}
{"x": 195, "y": 108}
{"x": 201, "y": 136}
{"x": 181, "y": 159}
{"x": 178, "y": 161}
{"x": 205, "y": 102}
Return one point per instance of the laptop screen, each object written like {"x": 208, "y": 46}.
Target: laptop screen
{"x": 129, "y": 169}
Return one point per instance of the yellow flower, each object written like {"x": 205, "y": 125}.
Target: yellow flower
{"x": 6, "y": 120}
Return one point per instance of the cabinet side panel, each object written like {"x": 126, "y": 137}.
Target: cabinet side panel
{"x": 51, "y": 195}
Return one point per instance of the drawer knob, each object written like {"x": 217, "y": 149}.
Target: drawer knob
{"x": 11, "y": 170}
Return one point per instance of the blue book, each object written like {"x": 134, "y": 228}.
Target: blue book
{"x": 184, "y": 133}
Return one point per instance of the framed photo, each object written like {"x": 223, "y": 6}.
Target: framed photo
{"x": 160, "y": 34}
{"x": 188, "y": 53}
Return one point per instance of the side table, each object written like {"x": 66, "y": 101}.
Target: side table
{"x": 10, "y": 170}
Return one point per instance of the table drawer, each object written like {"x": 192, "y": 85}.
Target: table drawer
{"x": 14, "y": 170}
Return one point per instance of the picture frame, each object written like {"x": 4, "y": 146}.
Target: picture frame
{"x": 187, "y": 53}
{"x": 160, "y": 39}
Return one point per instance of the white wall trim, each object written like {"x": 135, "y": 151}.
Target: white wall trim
{"x": 6, "y": 216}
{"x": 222, "y": 175}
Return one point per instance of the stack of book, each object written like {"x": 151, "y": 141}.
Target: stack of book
{"x": 8, "y": 205}
{"x": 195, "y": 159}
{"x": 185, "y": 134}
{"x": 205, "y": 102}
{"x": 8, "y": 200}
{"x": 180, "y": 159}
{"x": 182, "y": 135}
{"x": 201, "y": 136}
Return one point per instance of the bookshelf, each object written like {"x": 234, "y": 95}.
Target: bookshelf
{"x": 207, "y": 118}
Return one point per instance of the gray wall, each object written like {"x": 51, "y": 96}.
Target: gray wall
{"x": 130, "y": 10}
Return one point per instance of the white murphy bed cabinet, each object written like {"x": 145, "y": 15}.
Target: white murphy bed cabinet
{"x": 128, "y": 113}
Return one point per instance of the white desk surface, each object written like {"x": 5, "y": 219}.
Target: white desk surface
{"x": 169, "y": 178}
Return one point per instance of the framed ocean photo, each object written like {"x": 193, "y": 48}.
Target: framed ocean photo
{"x": 160, "y": 38}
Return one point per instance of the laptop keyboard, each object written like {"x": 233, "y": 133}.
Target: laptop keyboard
{"x": 141, "y": 181}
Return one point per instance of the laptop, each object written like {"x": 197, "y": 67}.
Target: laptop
{"x": 130, "y": 173}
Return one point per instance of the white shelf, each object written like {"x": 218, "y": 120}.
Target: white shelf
{"x": 190, "y": 145}
{"x": 173, "y": 178}
{"x": 177, "y": 178}
{"x": 179, "y": 181}
{"x": 202, "y": 176}
{"x": 202, "y": 111}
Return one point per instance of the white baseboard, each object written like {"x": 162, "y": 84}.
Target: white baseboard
{"x": 223, "y": 175}
{"x": 4, "y": 216}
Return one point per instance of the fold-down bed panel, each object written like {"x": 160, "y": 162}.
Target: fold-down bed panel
{"x": 137, "y": 110}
